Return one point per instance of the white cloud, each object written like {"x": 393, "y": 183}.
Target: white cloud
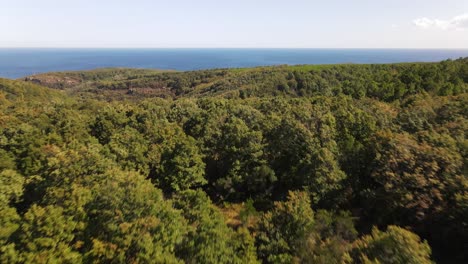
{"x": 458, "y": 23}
{"x": 423, "y": 22}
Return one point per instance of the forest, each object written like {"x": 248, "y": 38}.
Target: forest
{"x": 283, "y": 164}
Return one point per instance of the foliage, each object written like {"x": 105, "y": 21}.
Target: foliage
{"x": 129, "y": 221}
{"x": 46, "y": 236}
{"x": 225, "y": 166}
{"x": 283, "y": 229}
{"x": 210, "y": 240}
{"x": 396, "y": 245}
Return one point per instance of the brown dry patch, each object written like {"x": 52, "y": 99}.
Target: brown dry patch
{"x": 232, "y": 216}
{"x": 53, "y": 81}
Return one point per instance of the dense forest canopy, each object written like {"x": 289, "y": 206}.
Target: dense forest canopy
{"x": 286, "y": 164}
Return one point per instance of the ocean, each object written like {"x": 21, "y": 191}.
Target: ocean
{"x": 17, "y": 63}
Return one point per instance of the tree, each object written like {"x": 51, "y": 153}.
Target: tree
{"x": 46, "y": 236}
{"x": 129, "y": 221}
{"x": 107, "y": 121}
{"x": 130, "y": 149}
{"x": 180, "y": 167}
{"x": 11, "y": 190}
{"x": 210, "y": 240}
{"x": 290, "y": 151}
{"x": 330, "y": 241}
{"x": 11, "y": 187}
{"x": 409, "y": 179}
{"x": 282, "y": 230}
{"x": 235, "y": 164}
{"x": 396, "y": 245}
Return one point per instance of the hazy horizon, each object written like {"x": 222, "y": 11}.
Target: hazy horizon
{"x": 335, "y": 24}
{"x": 20, "y": 62}
{"x": 227, "y": 48}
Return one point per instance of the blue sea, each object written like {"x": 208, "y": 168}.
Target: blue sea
{"x": 16, "y": 63}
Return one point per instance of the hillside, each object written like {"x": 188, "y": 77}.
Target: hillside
{"x": 287, "y": 164}
{"x": 16, "y": 91}
{"x": 386, "y": 82}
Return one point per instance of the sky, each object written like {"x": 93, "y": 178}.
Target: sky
{"x": 234, "y": 24}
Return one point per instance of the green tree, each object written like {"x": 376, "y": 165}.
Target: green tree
{"x": 11, "y": 187}
{"x": 330, "y": 241}
{"x": 180, "y": 167}
{"x": 210, "y": 240}
{"x": 236, "y": 164}
{"x": 396, "y": 245}
{"x": 282, "y": 230}
{"x": 129, "y": 221}
{"x": 130, "y": 149}
{"x": 410, "y": 179}
{"x": 46, "y": 236}
{"x": 11, "y": 190}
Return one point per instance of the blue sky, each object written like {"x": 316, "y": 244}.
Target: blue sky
{"x": 235, "y": 24}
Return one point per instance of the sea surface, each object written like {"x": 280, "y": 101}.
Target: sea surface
{"x": 17, "y": 63}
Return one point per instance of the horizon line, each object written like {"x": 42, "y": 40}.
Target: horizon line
{"x": 322, "y": 48}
